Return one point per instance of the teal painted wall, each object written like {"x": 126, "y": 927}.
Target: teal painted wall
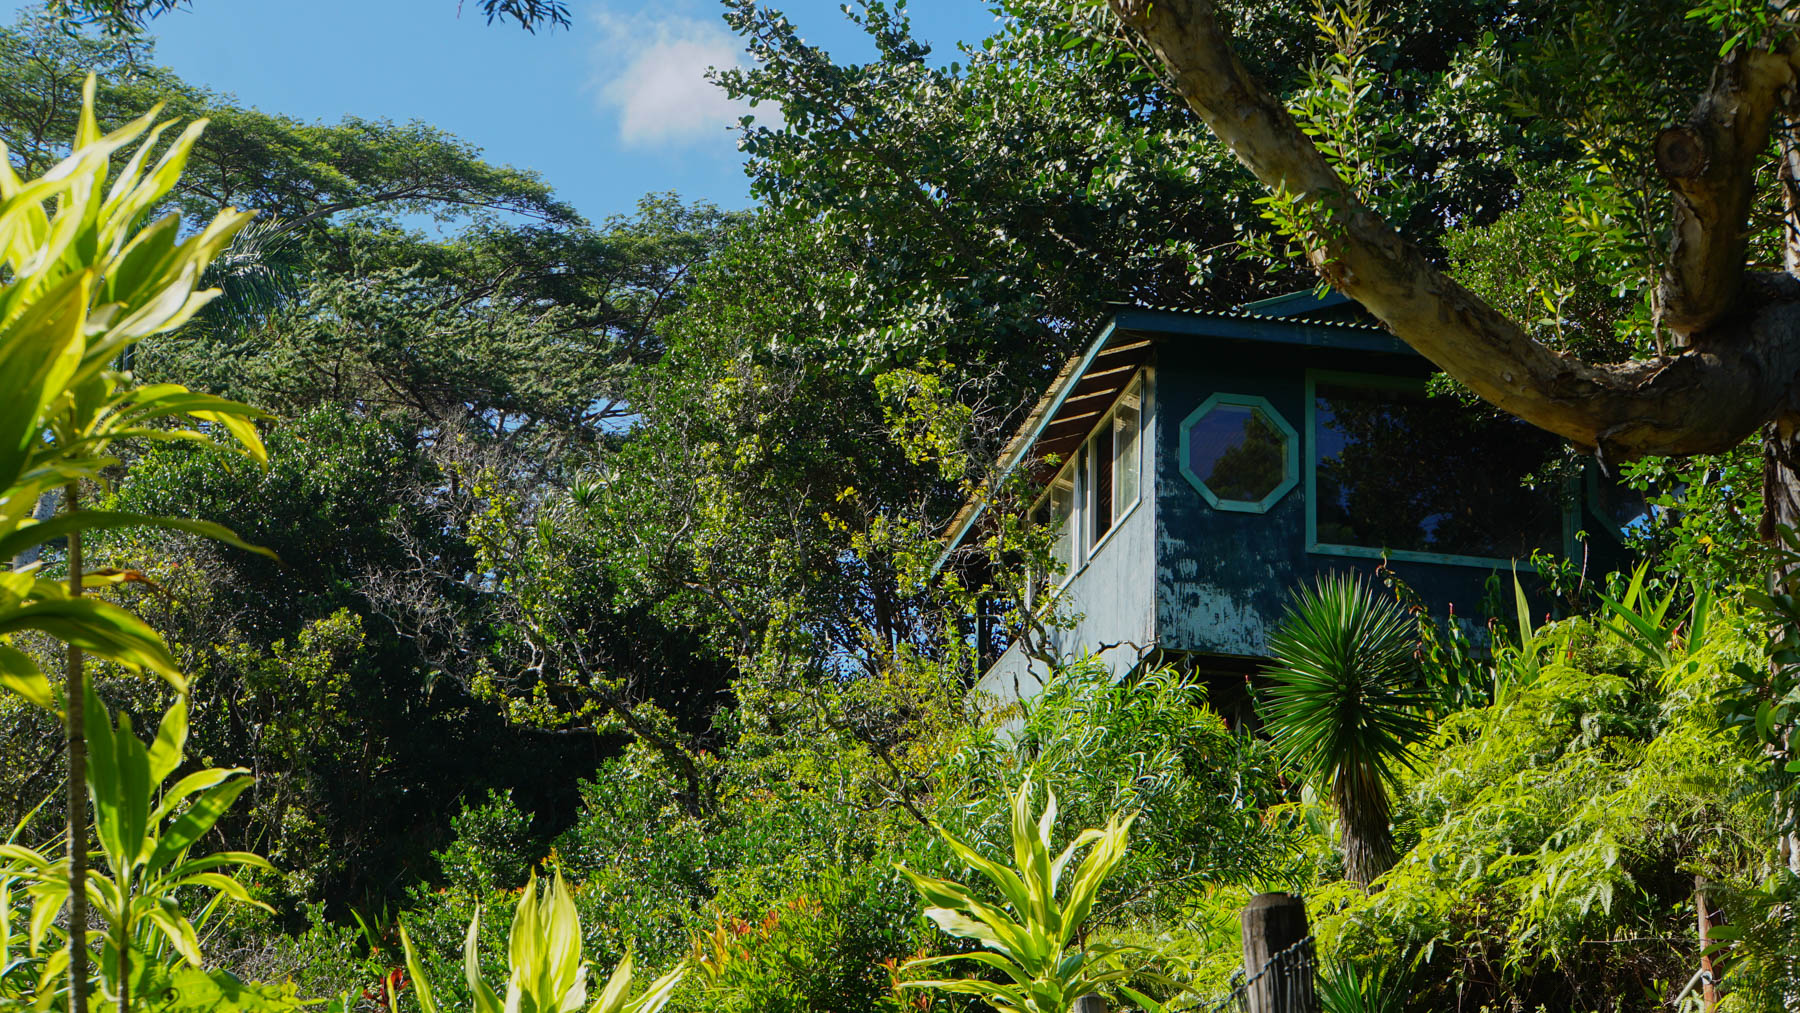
{"x": 1223, "y": 577}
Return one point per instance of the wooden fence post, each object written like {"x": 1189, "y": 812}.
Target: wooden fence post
{"x": 1090, "y": 1003}
{"x": 1273, "y": 923}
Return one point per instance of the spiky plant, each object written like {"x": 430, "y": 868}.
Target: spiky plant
{"x": 1347, "y": 706}
{"x": 1034, "y": 938}
{"x": 547, "y": 973}
{"x": 1345, "y": 989}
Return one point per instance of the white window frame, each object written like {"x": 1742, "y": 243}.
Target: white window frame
{"x": 1120, "y": 513}
{"x": 1079, "y": 470}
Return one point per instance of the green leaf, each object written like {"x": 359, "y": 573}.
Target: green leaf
{"x": 63, "y": 524}
{"x": 658, "y": 994}
{"x": 171, "y": 739}
{"x": 199, "y": 780}
{"x": 196, "y": 821}
{"x": 39, "y": 354}
{"x": 101, "y": 629}
{"x": 19, "y": 673}
{"x": 612, "y": 997}
{"x": 485, "y": 999}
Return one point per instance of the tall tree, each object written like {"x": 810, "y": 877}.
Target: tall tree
{"x": 125, "y": 17}
{"x": 1727, "y": 367}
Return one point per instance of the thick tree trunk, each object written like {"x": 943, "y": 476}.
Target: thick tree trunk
{"x": 1781, "y": 441}
{"x": 1366, "y": 818}
{"x": 1781, "y": 506}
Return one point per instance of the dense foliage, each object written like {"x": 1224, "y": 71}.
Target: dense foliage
{"x": 597, "y": 556}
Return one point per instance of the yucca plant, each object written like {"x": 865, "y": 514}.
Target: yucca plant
{"x": 1032, "y": 937}
{"x": 86, "y": 279}
{"x": 1346, "y": 707}
{"x": 1345, "y": 989}
{"x": 547, "y": 971}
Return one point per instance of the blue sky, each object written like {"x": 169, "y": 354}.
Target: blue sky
{"x": 606, "y": 112}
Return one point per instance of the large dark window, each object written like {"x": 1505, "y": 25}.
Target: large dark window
{"x": 1396, "y": 470}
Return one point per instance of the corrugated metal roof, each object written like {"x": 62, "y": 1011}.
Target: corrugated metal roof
{"x": 1244, "y": 314}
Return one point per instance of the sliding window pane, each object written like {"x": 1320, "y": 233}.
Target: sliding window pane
{"x": 1062, "y": 512}
{"x": 1101, "y": 453}
{"x": 1125, "y": 438}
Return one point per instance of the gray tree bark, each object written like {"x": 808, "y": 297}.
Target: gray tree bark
{"x": 1274, "y": 924}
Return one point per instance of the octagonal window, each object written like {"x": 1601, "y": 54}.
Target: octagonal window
{"x": 1239, "y": 452}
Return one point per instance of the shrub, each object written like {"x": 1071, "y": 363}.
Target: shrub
{"x": 493, "y": 850}
{"x": 816, "y": 947}
{"x": 1559, "y": 831}
{"x": 1149, "y": 745}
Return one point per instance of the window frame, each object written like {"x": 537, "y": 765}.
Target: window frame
{"x": 1570, "y": 510}
{"x": 1078, "y": 469}
{"x": 1133, "y": 389}
{"x": 1290, "y": 463}
{"x": 1137, "y": 384}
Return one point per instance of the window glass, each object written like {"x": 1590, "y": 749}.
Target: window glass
{"x": 1100, "y": 451}
{"x": 1622, "y": 510}
{"x": 1125, "y": 440}
{"x": 1061, "y": 513}
{"x": 1397, "y": 470}
{"x": 1238, "y": 452}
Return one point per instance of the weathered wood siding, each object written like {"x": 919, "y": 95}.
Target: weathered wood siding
{"x": 1224, "y": 577}
{"x": 1111, "y": 594}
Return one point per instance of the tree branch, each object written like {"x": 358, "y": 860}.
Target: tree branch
{"x": 1710, "y": 165}
{"x": 1705, "y": 399}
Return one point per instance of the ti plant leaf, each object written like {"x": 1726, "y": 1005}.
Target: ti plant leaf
{"x": 547, "y": 973}
{"x": 1031, "y": 938}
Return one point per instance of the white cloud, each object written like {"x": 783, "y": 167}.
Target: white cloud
{"x": 652, "y": 76}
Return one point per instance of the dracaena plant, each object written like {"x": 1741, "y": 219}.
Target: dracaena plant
{"x": 547, "y": 973}
{"x": 1033, "y": 937}
{"x": 147, "y": 830}
{"x": 1346, "y": 707}
{"x": 86, "y": 279}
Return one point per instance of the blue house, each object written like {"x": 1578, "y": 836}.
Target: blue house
{"x": 1199, "y": 465}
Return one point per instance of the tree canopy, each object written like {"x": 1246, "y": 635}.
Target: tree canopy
{"x": 610, "y": 546}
